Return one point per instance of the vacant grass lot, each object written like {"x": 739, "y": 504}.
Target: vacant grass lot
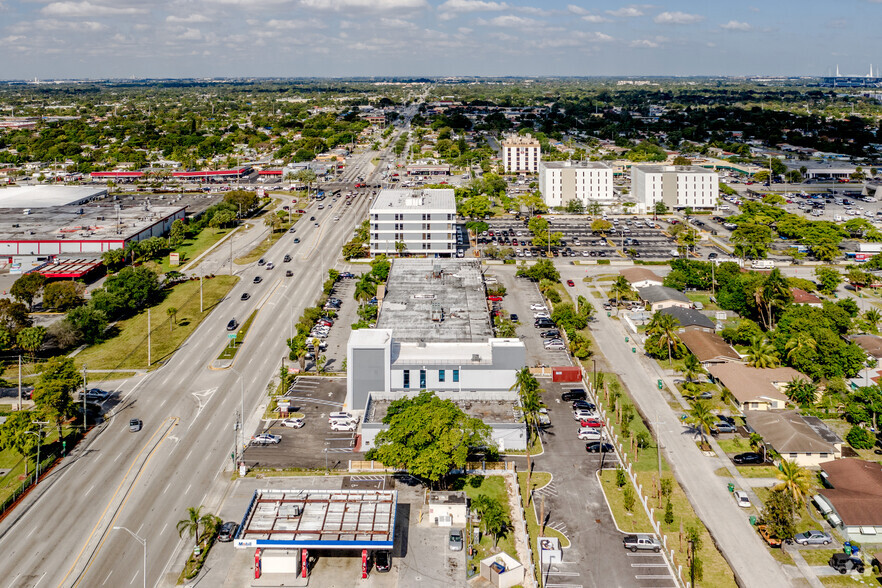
{"x": 128, "y": 349}
{"x": 193, "y": 248}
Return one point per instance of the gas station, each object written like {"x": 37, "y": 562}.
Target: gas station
{"x": 286, "y": 528}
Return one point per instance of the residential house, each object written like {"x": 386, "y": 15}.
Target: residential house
{"x": 806, "y": 441}
{"x": 800, "y": 296}
{"x": 659, "y": 297}
{"x": 754, "y": 388}
{"x": 852, "y": 498}
{"x": 871, "y": 344}
{"x": 708, "y": 347}
{"x": 640, "y": 277}
{"x": 689, "y": 318}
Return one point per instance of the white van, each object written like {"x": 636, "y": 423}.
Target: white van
{"x": 763, "y": 264}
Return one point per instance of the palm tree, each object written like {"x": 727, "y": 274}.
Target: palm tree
{"x": 800, "y": 343}
{"x": 802, "y": 392}
{"x": 195, "y": 519}
{"x": 665, "y": 327}
{"x": 622, "y": 289}
{"x": 365, "y": 288}
{"x": 692, "y": 368}
{"x": 528, "y": 393}
{"x": 703, "y": 418}
{"x": 872, "y": 318}
{"x": 795, "y": 480}
{"x": 172, "y": 313}
{"x": 773, "y": 293}
{"x": 761, "y": 354}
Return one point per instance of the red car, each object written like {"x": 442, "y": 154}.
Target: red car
{"x": 571, "y": 283}
{"x": 494, "y": 298}
{"x": 593, "y": 423}
{"x": 300, "y": 211}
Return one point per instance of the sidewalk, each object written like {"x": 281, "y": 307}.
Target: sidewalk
{"x": 740, "y": 545}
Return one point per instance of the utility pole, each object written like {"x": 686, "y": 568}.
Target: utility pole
{"x": 658, "y": 448}
{"x": 200, "y": 292}
{"x": 148, "y": 339}
{"x": 84, "y": 401}
{"x": 231, "y": 255}
{"x": 19, "y": 382}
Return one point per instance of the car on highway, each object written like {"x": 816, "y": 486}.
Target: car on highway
{"x": 289, "y": 273}
{"x": 296, "y": 240}
{"x": 257, "y": 280}
{"x": 231, "y": 326}
{"x": 748, "y": 458}
{"x": 294, "y": 423}
{"x": 245, "y": 296}
{"x": 261, "y": 261}
{"x": 270, "y": 265}
{"x": 286, "y": 259}
{"x": 741, "y": 499}
{"x": 454, "y": 540}
{"x": 599, "y": 447}
{"x": 292, "y": 230}
{"x": 266, "y": 439}
{"x": 813, "y": 537}
{"x": 312, "y": 218}
{"x": 135, "y": 425}
{"x": 227, "y": 532}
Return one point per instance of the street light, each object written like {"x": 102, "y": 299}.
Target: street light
{"x": 143, "y": 542}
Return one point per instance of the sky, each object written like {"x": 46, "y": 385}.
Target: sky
{"x": 48, "y": 39}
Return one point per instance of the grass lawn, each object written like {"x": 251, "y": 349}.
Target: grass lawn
{"x": 704, "y": 298}
{"x": 635, "y": 521}
{"x": 16, "y": 463}
{"x": 232, "y": 348}
{"x": 494, "y": 488}
{"x": 735, "y": 445}
{"x": 192, "y": 248}
{"x": 128, "y": 349}
{"x": 817, "y": 557}
{"x": 758, "y": 471}
{"x": 803, "y": 521}
{"x": 847, "y": 580}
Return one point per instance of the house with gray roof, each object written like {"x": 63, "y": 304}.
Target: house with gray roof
{"x": 659, "y": 297}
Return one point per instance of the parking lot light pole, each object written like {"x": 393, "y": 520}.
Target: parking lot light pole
{"x": 143, "y": 542}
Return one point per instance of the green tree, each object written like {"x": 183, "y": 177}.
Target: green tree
{"x": 365, "y": 288}
{"x": 575, "y": 206}
{"x": 172, "y": 313}
{"x": 828, "y": 279}
{"x": 53, "y": 393}
{"x": 542, "y": 270}
{"x": 825, "y": 250}
{"x": 669, "y": 512}
{"x": 858, "y": 437}
{"x": 113, "y": 259}
{"x": 703, "y": 418}
{"x": 136, "y": 287}
{"x": 872, "y": 317}
{"x": 428, "y": 436}
{"x": 779, "y": 513}
{"x": 88, "y": 322}
{"x": 801, "y": 392}
{"x": 18, "y": 434}
{"x": 795, "y": 480}
{"x": 800, "y": 343}
{"x": 528, "y": 394}
{"x": 532, "y": 201}
{"x": 692, "y": 367}
{"x": 594, "y": 208}
{"x": 621, "y": 289}
{"x": 865, "y": 405}
{"x": 751, "y": 241}
{"x": 243, "y": 200}
{"x": 494, "y": 516}
{"x": 601, "y": 226}
{"x": 27, "y": 287}
{"x": 663, "y": 326}
{"x": 62, "y": 296}
{"x": 761, "y": 354}
{"x": 194, "y": 523}
{"x": 177, "y": 234}
{"x": 696, "y": 568}
{"x": 660, "y": 208}
{"x": 31, "y": 339}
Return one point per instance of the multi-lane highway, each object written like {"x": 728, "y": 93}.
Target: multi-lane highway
{"x": 63, "y": 534}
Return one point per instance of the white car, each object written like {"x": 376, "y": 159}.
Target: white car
{"x": 581, "y": 414}
{"x": 266, "y": 439}
{"x": 742, "y": 499}
{"x": 343, "y": 416}
{"x": 541, "y": 314}
{"x": 556, "y": 346}
{"x": 537, "y": 307}
{"x": 293, "y": 423}
{"x": 338, "y": 425}
{"x": 591, "y": 434}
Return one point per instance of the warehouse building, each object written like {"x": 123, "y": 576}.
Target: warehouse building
{"x": 27, "y": 198}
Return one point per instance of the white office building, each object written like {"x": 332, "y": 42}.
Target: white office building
{"x": 561, "y": 182}
{"x": 520, "y": 154}
{"x": 678, "y": 186}
{"x": 423, "y": 220}
{"x": 434, "y": 333}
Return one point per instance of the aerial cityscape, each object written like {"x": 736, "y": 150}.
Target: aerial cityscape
{"x": 440, "y": 293}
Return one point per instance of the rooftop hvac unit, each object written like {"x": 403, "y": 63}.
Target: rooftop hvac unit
{"x": 476, "y": 358}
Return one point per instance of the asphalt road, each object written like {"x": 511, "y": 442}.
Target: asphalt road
{"x": 62, "y": 535}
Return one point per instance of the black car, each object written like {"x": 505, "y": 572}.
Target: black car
{"x": 261, "y": 261}
{"x": 231, "y": 326}
{"x": 296, "y": 240}
{"x": 598, "y": 447}
{"x": 383, "y": 561}
{"x": 748, "y": 458}
{"x": 583, "y": 405}
{"x": 257, "y": 280}
{"x": 544, "y": 323}
{"x": 287, "y": 258}
{"x": 843, "y": 563}
{"x": 513, "y": 318}
{"x": 574, "y": 394}
{"x": 227, "y": 531}
{"x": 312, "y": 218}
{"x": 245, "y": 296}
{"x": 289, "y": 273}
{"x": 550, "y": 334}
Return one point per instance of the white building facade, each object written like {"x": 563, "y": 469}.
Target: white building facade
{"x": 520, "y": 154}
{"x": 678, "y": 186}
{"x": 561, "y": 182}
{"x": 423, "y": 220}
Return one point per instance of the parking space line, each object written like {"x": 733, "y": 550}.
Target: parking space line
{"x": 649, "y": 565}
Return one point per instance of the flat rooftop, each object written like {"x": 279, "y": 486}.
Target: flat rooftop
{"x": 97, "y": 222}
{"x": 415, "y": 200}
{"x": 47, "y": 196}
{"x": 327, "y": 519}
{"x": 690, "y": 169}
{"x": 575, "y": 165}
{"x": 492, "y": 410}
{"x": 457, "y": 285}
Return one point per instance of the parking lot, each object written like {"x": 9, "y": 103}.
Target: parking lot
{"x": 314, "y": 445}
{"x": 338, "y": 336}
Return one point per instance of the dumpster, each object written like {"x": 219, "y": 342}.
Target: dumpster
{"x": 731, "y": 487}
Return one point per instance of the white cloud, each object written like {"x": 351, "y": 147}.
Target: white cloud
{"x": 465, "y": 30}
{"x": 191, "y": 34}
{"x": 510, "y": 20}
{"x": 577, "y": 9}
{"x": 279, "y": 24}
{"x": 643, "y": 43}
{"x": 86, "y": 8}
{"x": 192, "y": 18}
{"x": 471, "y": 6}
{"x": 60, "y": 25}
{"x": 735, "y": 25}
{"x": 594, "y": 18}
{"x": 397, "y": 23}
{"x": 678, "y": 18}
{"x": 625, "y": 12}
{"x": 377, "y": 5}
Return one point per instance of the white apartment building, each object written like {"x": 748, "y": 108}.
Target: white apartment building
{"x": 424, "y": 220}
{"x": 520, "y": 154}
{"x": 678, "y": 186}
{"x": 563, "y": 181}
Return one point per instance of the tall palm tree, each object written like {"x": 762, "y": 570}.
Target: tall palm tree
{"x": 800, "y": 343}
{"x": 665, "y": 327}
{"x": 528, "y": 392}
{"x": 774, "y": 293}
{"x": 703, "y": 418}
{"x": 761, "y": 353}
{"x": 872, "y": 318}
{"x": 365, "y": 288}
{"x": 621, "y": 288}
{"x": 802, "y": 392}
{"x": 692, "y": 368}
{"x": 194, "y": 521}
{"x": 795, "y": 480}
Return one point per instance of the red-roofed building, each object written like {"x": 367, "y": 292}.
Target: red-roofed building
{"x": 800, "y": 296}
{"x": 117, "y": 175}
{"x": 215, "y": 174}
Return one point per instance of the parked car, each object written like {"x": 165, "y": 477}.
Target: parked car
{"x": 494, "y": 298}
{"x": 641, "y": 542}
{"x": 741, "y": 499}
{"x": 454, "y": 540}
{"x": 748, "y": 458}
{"x": 383, "y": 560}
{"x": 584, "y": 404}
{"x": 598, "y": 447}
{"x": 556, "y": 346}
{"x": 227, "y": 532}
{"x": 813, "y": 538}
{"x": 96, "y": 394}
{"x": 723, "y": 427}
{"x": 338, "y": 425}
{"x": 592, "y": 423}
{"x": 536, "y": 306}
{"x": 342, "y": 416}
{"x": 541, "y": 314}
{"x": 513, "y": 318}
{"x": 135, "y": 425}
{"x": 574, "y": 394}
{"x": 590, "y": 434}
{"x": 583, "y": 413}
{"x": 843, "y": 563}
{"x": 266, "y": 439}
{"x": 294, "y": 423}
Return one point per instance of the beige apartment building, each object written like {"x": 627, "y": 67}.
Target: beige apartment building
{"x": 520, "y": 154}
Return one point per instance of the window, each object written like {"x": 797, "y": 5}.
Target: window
{"x": 823, "y": 455}
{"x": 422, "y": 379}
{"x": 793, "y": 456}
{"x": 440, "y": 375}
{"x": 406, "y": 379}
{"x": 456, "y": 375}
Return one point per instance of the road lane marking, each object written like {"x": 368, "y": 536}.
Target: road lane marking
{"x": 170, "y": 422}
{"x": 187, "y": 491}
{"x": 135, "y": 577}
{"x": 161, "y": 533}
{"x": 89, "y": 490}
{"x": 31, "y": 533}
{"x": 14, "y": 579}
{"x": 116, "y": 459}
{"x": 107, "y": 578}
{"x": 40, "y": 580}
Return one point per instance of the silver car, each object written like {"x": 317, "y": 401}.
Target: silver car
{"x": 454, "y": 541}
{"x": 813, "y": 538}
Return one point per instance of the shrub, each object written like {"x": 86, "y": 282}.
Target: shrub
{"x": 860, "y": 438}
{"x": 621, "y": 480}
{"x": 628, "y": 497}
{"x": 669, "y": 513}
{"x": 602, "y": 262}
{"x": 553, "y": 296}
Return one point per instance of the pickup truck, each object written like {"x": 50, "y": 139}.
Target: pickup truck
{"x": 641, "y": 541}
